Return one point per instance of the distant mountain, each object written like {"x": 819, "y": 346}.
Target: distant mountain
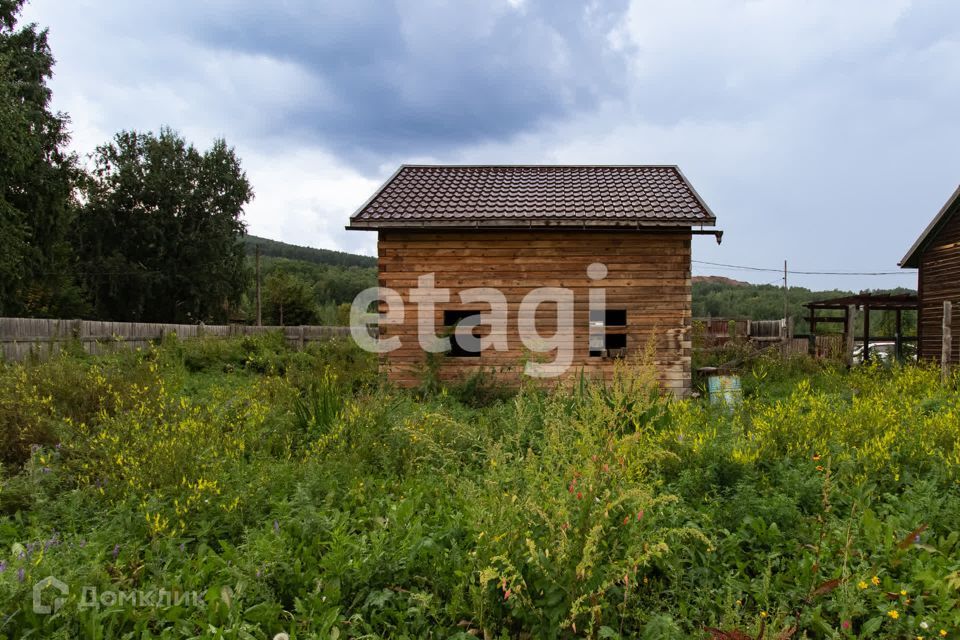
{"x": 277, "y": 249}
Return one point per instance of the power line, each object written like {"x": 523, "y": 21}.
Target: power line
{"x": 803, "y": 273}
{"x": 853, "y": 273}
{"x": 734, "y": 266}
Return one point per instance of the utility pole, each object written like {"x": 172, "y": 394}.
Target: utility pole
{"x": 259, "y": 317}
{"x": 786, "y": 308}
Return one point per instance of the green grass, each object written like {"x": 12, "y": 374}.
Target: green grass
{"x": 296, "y": 492}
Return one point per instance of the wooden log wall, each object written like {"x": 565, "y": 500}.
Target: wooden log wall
{"x": 648, "y": 276}
{"x": 21, "y": 338}
{"x": 940, "y": 282}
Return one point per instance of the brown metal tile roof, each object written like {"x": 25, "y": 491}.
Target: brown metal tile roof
{"x": 534, "y": 196}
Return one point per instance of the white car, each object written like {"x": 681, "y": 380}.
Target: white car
{"x": 884, "y": 352}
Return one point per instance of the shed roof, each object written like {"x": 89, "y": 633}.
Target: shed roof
{"x": 524, "y": 196}
{"x": 912, "y": 259}
{"x": 876, "y": 301}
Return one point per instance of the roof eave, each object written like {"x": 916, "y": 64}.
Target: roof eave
{"x": 533, "y": 223}
{"x": 376, "y": 194}
{"x": 912, "y": 259}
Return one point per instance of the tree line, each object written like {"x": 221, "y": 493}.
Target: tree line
{"x": 148, "y": 229}
{"x": 279, "y": 249}
{"x": 303, "y": 285}
{"x": 720, "y": 298}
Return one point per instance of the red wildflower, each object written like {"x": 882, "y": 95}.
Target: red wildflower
{"x": 640, "y": 515}
{"x": 579, "y": 496}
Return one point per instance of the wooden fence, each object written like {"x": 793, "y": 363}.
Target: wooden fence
{"x": 825, "y": 346}
{"x": 715, "y": 333}
{"x": 22, "y": 337}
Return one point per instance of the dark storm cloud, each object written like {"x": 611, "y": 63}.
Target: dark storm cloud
{"x": 416, "y": 77}
{"x": 819, "y": 131}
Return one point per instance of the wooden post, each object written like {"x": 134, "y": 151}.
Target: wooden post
{"x": 866, "y": 334}
{"x": 812, "y": 339}
{"x": 786, "y": 306}
{"x": 946, "y": 348}
{"x": 259, "y": 316}
{"x": 302, "y": 342}
{"x": 851, "y": 316}
{"x": 899, "y": 336}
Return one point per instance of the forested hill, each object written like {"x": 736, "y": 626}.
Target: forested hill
{"x": 309, "y": 282}
{"x": 277, "y": 249}
{"x": 725, "y": 298}
{"x": 719, "y": 297}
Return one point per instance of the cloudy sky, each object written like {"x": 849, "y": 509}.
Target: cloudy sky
{"x": 823, "y": 132}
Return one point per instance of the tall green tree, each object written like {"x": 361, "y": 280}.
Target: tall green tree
{"x": 159, "y": 233}
{"x": 37, "y": 175}
{"x": 290, "y": 299}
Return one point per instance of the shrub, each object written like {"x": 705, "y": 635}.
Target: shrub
{"x": 297, "y": 494}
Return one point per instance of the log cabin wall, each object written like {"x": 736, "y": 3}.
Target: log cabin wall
{"x": 648, "y": 277}
{"x": 940, "y": 281}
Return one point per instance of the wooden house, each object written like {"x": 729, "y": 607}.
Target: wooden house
{"x": 622, "y": 230}
{"x": 936, "y": 254}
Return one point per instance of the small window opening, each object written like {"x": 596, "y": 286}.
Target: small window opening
{"x": 616, "y": 317}
{"x": 470, "y": 348}
{"x": 602, "y": 342}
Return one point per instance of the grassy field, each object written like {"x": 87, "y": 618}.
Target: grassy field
{"x": 233, "y": 489}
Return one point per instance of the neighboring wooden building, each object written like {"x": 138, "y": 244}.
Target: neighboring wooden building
{"x": 937, "y": 256}
{"x": 519, "y": 228}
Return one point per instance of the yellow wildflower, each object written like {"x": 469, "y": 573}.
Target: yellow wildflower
{"x": 875, "y": 580}
{"x": 893, "y": 613}
{"x": 862, "y": 585}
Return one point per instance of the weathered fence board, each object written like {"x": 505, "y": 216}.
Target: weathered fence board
{"x": 21, "y": 338}
{"x": 825, "y": 346}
